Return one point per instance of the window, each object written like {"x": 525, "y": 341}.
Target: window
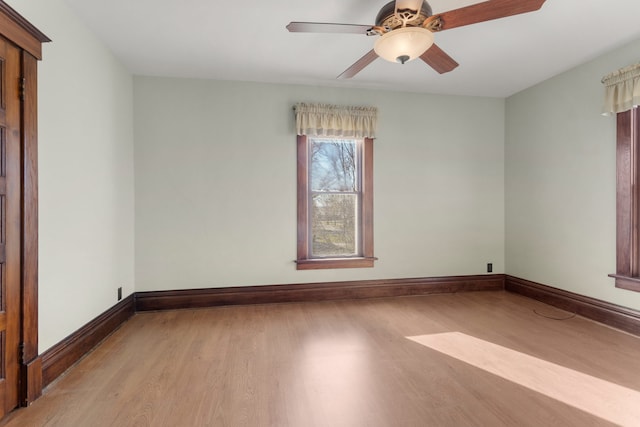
{"x": 622, "y": 97}
{"x": 335, "y": 202}
{"x": 628, "y": 200}
{"x": 335, "y": 186}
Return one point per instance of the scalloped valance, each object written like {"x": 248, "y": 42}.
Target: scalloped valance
{"x": 336, "y": 120}
{"x": 622, "y": 90}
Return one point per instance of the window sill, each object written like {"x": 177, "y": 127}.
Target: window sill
{"x": 627, "y": 282}
{"x": 328, "y": 263}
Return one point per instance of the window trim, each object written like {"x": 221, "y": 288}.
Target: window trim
{"x": 628, "y": 200}
{"x": 303, "y": 261}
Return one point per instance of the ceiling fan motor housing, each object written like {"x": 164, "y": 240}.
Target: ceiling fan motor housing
{"x": 387, "y": 17}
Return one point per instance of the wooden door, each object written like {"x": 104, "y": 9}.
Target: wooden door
{"x": 10, "y": 224}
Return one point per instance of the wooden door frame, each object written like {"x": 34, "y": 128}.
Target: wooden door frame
{"x": 31, "y": 363}
{"x": 19, "y": 31}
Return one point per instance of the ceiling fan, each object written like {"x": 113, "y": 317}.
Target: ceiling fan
{"x": 406, "y": 30}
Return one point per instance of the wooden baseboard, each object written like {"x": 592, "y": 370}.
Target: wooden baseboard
{"x": 199, "y": 298}
{"x": 613, "y": 315}
{"x": 63, "y": 355}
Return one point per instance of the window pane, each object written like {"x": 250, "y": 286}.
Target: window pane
{"x": 334, "y": 225}
{"x": 333, "y": 165}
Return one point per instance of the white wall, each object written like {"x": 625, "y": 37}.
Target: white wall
{"x": 560, "y": 182}
{"x": 215, "y": 196}
{"x": 215, "y": 173}
{"x": 86, "y": 173}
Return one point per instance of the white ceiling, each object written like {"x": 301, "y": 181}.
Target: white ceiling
{"x": 248, "y": 41}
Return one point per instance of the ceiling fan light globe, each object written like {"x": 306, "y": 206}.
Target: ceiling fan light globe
{"x": 403, "y": 42}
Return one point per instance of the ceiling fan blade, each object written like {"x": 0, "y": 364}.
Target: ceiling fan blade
{"x": 359, "y": 65}
{"x": 486, "y": 11}
{"x": 438, "y": 59}
{"x": 324, "y": 27}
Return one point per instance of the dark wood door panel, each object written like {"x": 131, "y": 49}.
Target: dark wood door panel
{"x": 20, "y": 364}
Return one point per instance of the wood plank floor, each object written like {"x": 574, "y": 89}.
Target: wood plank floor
{"x": 350, "y": 363}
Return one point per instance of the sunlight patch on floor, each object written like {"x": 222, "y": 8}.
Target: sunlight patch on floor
{"x": 601, "y": 398}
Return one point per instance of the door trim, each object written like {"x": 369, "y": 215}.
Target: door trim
{"x": 21, "y": 32}
{"x": 27, "y": 37}
{"x": 31, "y": 372}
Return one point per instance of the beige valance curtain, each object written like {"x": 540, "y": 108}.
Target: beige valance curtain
{"x": 336, "y": 120}
{"x": 622, "y": 90}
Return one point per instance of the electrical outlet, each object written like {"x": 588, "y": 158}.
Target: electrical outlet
{"x": 490, "y": 267}
{"x": 119, "y": 293}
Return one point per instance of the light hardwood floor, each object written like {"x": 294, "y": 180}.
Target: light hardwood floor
{"x": 350, "y": 363}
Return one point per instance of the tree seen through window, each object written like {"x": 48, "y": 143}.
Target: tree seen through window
{"x": 335, "y": 197}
